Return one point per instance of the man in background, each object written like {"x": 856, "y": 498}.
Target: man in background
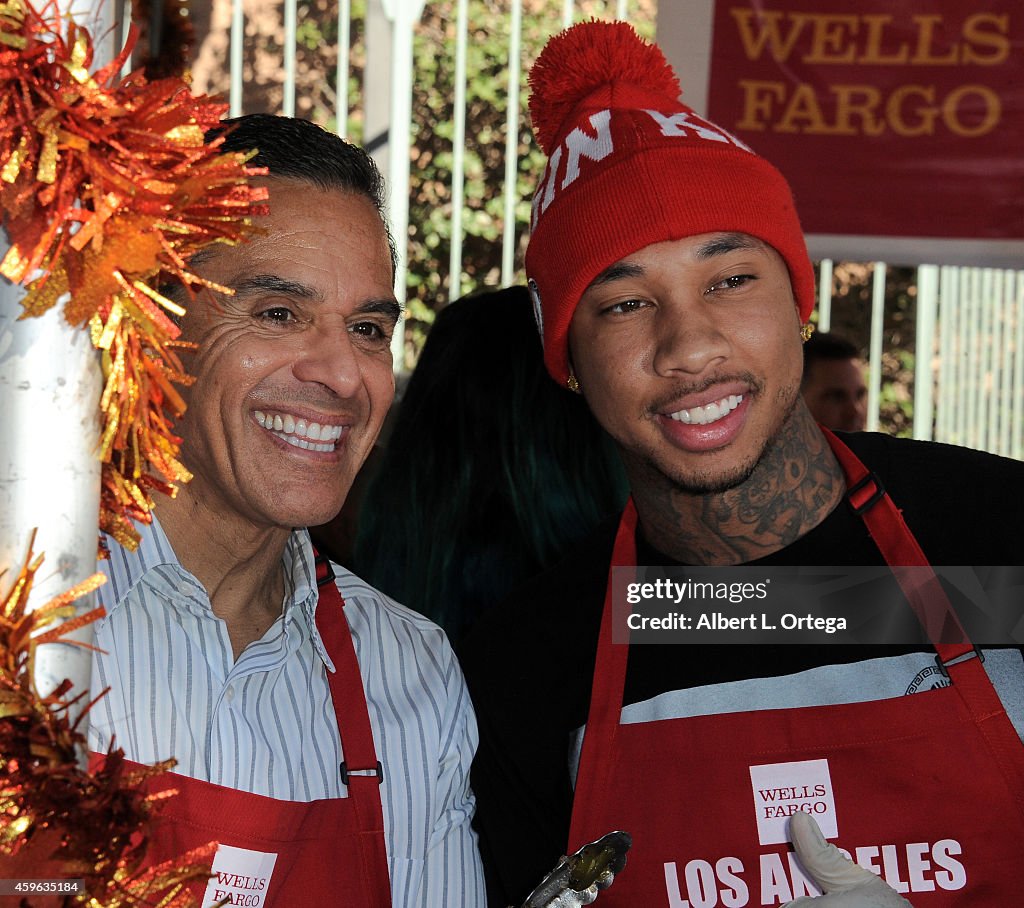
{"x": 833, "y": 384}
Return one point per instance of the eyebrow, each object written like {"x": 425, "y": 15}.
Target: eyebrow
{"x": 271, "y": 283}
{"x": 617, "y": 272}
{"x": 727, "y": 242}
{"x": 718, "y": 245}
{"x": 387, "y": 307}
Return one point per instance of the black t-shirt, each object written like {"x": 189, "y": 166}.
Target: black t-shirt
{"x": 530, "y": 663}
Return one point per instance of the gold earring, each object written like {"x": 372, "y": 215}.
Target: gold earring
{"x": 806, "y": 331}
{"x": 573, "y": 382}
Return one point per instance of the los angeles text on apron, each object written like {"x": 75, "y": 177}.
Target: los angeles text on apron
{"x": 927, "y": 790}
{"x": 279, "y": 854}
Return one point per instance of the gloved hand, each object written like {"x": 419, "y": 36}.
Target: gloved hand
{"x": 845, "y": 884}
{"x": 574, "y": 899}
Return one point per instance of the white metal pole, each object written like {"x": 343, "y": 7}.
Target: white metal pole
{"x": 458, "y": 151}
{"x": 986, "y": 401}
{"x": 1017, "y": 441}
{"x": 825, "y": 295}
{"x": 290, "y": 33}
{"x": 50, "y": 383}
{"x": 1003, "y": 343}
{"x": 344, "y": 59}
{"x": 236, "y": 58}
{"x": 946, "y": 328}
{"x": 404, "y": 14}
{"x": 927, "y": 300}
{"x": 875, "y": 347}
{"x": 975, "y": 385}
{"x": 508, "y": 239}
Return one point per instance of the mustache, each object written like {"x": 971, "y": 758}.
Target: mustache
{"x": 683, "y": 389}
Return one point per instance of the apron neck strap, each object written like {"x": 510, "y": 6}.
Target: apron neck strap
{"x": 361, "y": 771}
{"x": 868, "y": 499}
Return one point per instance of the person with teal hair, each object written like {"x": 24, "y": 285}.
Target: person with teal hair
{"x": 491, "y": 472}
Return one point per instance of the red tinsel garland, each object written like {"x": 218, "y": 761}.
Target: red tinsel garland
{"x": 57, "y": 819}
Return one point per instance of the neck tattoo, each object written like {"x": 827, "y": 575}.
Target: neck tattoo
{"x": 793, "y": 487}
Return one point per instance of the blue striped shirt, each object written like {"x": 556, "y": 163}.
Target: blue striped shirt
{"x": 266, "y": 724}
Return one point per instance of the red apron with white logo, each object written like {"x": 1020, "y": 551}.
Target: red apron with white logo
{"x": 926, "y": 789}
{"x": 286, "y": 853}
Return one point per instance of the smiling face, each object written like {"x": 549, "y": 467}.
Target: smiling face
{"x": 688, "y": 353}
{"x": 293, "y": 372}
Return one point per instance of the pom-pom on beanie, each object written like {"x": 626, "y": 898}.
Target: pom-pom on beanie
{"x": 630, "y": 165}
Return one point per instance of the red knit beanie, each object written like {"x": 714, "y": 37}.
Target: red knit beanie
{"x": 628, "y": 166}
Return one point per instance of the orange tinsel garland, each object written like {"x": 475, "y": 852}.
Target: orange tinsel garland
{"x": 106, "y": 189}
{"x": 56, "y": 819}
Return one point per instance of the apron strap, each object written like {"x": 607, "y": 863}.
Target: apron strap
{"x": 597, "y": 763}
{"x": 958, "y": 659}
{"x": 886, "y": 526}
{"x": 361, "y": 771}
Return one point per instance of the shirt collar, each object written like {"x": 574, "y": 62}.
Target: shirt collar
{"x": 303, "y": 594}
{"x": 125, "y": 569}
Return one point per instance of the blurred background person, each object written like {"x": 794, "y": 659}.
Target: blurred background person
{"x": 491, "y": 471}
{"x": 833, "y": 383}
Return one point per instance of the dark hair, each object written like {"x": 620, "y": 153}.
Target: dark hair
{"x": 492, "y": 470}
{"x": 294, "y": 149}
{"x": 825, "y": 346}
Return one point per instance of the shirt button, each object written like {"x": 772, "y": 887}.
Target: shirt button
{"x": 229, "y": 693}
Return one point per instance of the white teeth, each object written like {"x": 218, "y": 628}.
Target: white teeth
{"x": 713, "y": 412}
{"x": 290, "y": 429}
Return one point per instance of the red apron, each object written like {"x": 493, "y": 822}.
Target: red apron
{"x": 287, "y": 853}
{"x": 927, "y": 790}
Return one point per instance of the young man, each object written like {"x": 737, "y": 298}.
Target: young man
{"x": 833, "y": 383}
{"x": 228, "y": 645}
{"x": 671, "y": 281}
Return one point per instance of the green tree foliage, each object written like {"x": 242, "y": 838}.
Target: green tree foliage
{"x": 487, "y": 93}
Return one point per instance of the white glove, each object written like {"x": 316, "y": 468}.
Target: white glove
{"x": 573, "y": 899}
{"x": 845, "y": 884}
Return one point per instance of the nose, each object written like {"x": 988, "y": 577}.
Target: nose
{"x": 688, "y": 341}
{"x": 327, "y": 356}
{"x": 856, "y": 414}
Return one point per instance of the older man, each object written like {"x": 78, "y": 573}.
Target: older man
{"x": 671, "y": 281}
{"x": 322, "y": 732}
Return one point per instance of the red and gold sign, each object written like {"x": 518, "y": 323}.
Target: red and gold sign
{"x": 892, "y": 118}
